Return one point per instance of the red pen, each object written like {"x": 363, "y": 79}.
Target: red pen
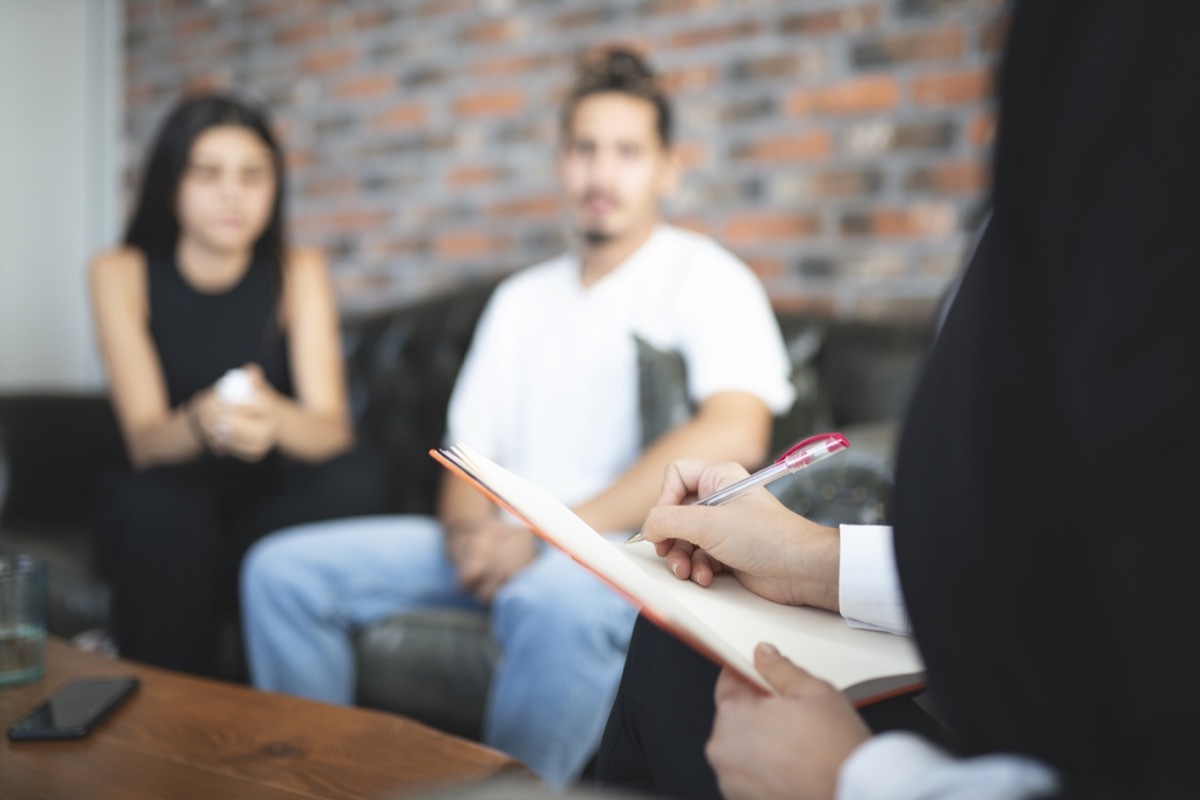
{"x": 800, "y": 455}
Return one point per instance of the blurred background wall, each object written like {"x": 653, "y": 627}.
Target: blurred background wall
{"x": 60, "y": 177}
{"x": 839, "y": 146}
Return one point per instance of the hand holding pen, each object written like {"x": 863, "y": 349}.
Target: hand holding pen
{"x": 804, "y": 453}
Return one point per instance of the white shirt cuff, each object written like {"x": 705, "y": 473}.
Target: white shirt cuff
{"x": 868, "y": 585}
{"x": 903, "y": 766}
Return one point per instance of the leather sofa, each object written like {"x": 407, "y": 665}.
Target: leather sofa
{"x": 851, "y": 376}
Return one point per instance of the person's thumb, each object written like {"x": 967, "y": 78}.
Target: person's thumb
{"x": 784, "y": 676}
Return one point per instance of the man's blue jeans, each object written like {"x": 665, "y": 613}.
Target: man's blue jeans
{"x": 307, "y": 590}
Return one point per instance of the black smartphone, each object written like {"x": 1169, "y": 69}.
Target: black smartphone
{"x": 74, "y": 710}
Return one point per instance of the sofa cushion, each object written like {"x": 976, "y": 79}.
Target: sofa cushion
{"x": 400, "y": 371}
{"x": 663, "y": 401}
{"x": 434, "y": 666}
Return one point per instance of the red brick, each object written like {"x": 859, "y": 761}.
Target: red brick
{"x": 952, "y": 87}
{"x": 659, "y": 8}
{"x": 863, "y": 95}
{"x": 404, "y": 115}
{"x": 330, "y": 187}
{"x": 445, "y": 8}
{"x": 370, "y": 18}
{"x": 893, "y": 308}
{"x": 516, "y": 65}
{"x": 328, "y": 60}
{"x": 591, "y": 17}
{"x": 806, "y": 146}
{"x": 196, "y": 26}
{"x": 456, "y": 245}
{"x": 306, "y": 31}
{"x": 298, "y": 159}
{"x": 359, "y": 219}
{"x": 401, "y": 246}
{"x": 751, "y": 228}
{"x": 690, "y": 79}
{"x": 876, "y": 264}
{"x": 204, "y": 82}
{"x": 841, "y": 20}
{"x": 981, "y": 129}
{"x": 642, "y": 45}
{"x": 994, "y": 34}
{"x": 139, "y": 94}
{"x": 952, "y": 177}
{"x": 701, "y": 37}
{"x": 285, "y": 128}
{"x": 809, "y": 185}
{"x": 366, "y": 86}
{"x": 918, "y": 8}
{"x": 490, "y": 104}
{"x": 930, "y": 45}
{"x": 766, "y": 269}
{"x": 266, "y": 9}
{"x": 806, "y": 65}
{"x": 695, "y": 224}
{"x": 693, "y": 154}
{"x": 314, "y": 225}
{"x": 540, "y": 207}
{"x": 883, "y": 136}
{"x": 926, "y": 220}
{"x": 496, "y": 30}
{"x": 941, "y": 263}
{"x": 808, "y": 302}
{"x": 465, "y": 176}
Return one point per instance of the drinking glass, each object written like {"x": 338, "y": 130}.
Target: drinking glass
{"x": 22, "y": 619}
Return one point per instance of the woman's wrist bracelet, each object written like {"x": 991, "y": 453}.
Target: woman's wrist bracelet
{"x": 193, "y": 421}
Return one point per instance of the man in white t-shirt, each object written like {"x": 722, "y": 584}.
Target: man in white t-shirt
{"x": 549, "y": 389}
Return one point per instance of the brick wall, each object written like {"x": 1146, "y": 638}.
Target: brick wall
{"x": 839, "y": 146}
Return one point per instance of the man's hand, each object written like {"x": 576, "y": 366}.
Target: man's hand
{"x": 787, "y": 746}
{"x": 774, "y": 552}
{"x": 488, "y": 554}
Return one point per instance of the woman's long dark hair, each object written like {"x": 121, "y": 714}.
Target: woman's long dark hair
{"x": 154, "y": 228}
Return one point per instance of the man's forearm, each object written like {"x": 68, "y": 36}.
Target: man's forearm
{"x": 461, "y": 507}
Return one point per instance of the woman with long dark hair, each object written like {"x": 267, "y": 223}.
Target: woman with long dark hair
{"x": 221, "y": 349}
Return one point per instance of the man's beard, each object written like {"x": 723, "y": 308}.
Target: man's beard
{"x": 595, "y": 238}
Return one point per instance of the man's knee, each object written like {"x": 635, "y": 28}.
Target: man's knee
{"x": 274, "y": 563}
{"x": 568, "y": 608}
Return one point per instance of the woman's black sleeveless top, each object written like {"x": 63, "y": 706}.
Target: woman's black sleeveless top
{"x": 200, "y": 335}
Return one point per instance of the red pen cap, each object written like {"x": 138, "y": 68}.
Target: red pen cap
{"x": 814, "y": 448}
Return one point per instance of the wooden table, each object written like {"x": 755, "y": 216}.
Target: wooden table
{"x": 186, "y": 737}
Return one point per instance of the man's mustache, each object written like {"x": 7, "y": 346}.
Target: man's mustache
{"x": 592, "y": 195}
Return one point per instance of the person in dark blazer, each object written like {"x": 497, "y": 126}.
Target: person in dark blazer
{"x": 1044, "y": 535}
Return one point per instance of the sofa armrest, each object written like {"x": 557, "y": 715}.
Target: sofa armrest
{"x": 53, "y": 449}
{"x": 54, "y": 446}
{"x": 434, "y": 666}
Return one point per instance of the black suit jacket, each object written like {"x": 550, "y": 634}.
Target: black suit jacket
{"x": 1046, "y": 535}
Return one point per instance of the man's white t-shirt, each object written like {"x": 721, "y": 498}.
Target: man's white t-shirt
{"x": 549, "y": 387}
